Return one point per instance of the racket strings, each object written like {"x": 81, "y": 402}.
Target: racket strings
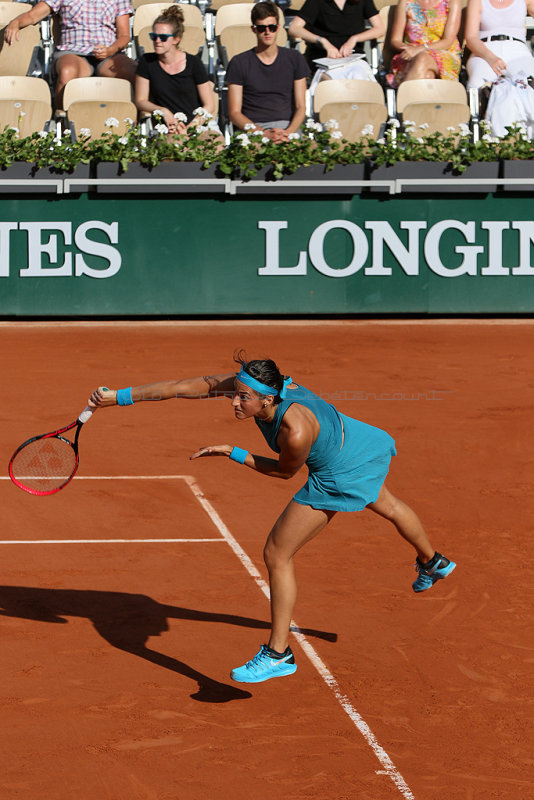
{"x": 45, "y": 464}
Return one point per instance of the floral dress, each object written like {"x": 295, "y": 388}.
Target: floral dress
{"x": 425, "y": 26}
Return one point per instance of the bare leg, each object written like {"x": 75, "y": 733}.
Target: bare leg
{"x": 296, "y": 525}
{"x": 405, "y": 520}
{"x": 118, "y": 66}
{"x": 68, "y": 67}
{"x": 422, "y": 66}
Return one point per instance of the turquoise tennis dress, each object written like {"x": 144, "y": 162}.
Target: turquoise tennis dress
{"x": 347, "y": 463}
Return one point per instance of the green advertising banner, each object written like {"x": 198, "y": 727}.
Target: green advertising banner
{"x": 232, "y": 255}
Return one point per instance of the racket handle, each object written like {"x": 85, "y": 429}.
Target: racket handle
{"x": 86, "y": 415}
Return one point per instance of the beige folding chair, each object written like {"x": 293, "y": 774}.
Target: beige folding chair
{"x": 16, "y": 59}
{"x": 89, "y": 102}
{"x": 194, "y": 37}
{"x": 25, "y": 104}
{"x": 438, "y": 103}
{"x": 233, "y": 30}
{"x": 353, "y": 104}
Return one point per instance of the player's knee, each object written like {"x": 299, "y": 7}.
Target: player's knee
{"x": 272, "y": 555}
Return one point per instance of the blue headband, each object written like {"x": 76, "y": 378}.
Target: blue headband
{"x": 262, "y": 388}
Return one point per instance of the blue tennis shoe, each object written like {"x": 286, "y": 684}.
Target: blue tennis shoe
{"x": 265, "y": 665}
{"x": 436, "y": 569}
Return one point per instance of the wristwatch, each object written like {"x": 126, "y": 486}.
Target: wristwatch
{"x": 319, "y": 41}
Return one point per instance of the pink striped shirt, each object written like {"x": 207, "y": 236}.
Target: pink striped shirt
{"x": 86, "y": 23}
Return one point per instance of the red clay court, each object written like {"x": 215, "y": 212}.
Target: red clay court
{"x": 126, "y": 599}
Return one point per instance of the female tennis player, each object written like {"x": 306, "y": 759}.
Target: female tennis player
{"x": 347, "y": 462}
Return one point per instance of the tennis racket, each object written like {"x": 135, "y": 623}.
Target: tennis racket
{"x": 47, "y": 463}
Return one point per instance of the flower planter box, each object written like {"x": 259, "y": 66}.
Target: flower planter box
{"x": 46, "y": 180}
{"x": 518, "y": 169}
{"x": 169, "y": 177}
{"x": 312, "y": 180}
{"x": 435, "y": 172}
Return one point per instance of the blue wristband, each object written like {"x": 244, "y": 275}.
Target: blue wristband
{"x": 239, "y": 455}
{"x": 124, "y": 397}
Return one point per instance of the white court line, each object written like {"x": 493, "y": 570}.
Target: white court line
{"x": 389, "y": 767}
{"x": 103, "y": 541}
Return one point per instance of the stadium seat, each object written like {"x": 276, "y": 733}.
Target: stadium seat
{"x": 89, "y": 102}
{"x": 353, "y": 104}
{"x": 25, "y": 104}
{"x": 233, "y": 31}
{"x": 22, "y": 58}
{"x": 194, "y": 37}
{"x": 439, "y": 103}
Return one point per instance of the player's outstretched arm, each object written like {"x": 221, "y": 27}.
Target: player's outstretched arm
{"x": 188, "y": 389}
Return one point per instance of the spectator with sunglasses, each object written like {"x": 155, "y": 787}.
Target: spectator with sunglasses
{"x": 267, "y": 85}
{"x": 170, "y": 80}
{"x": 94, "y": 35}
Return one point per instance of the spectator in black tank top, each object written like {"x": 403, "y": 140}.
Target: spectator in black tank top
{"x": 267, "y": 85}
{"x": 171, "y": 81}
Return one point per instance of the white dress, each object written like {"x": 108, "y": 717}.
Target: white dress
{"x": 517, "y": 55}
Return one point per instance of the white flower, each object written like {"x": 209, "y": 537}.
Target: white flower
{"x": 243, "y": 139}
{"x": 161, "y": 128}
{"x": 18, "y": 105}
{"x": 408, "y": 122}
{"x": 451, "y": 128}
{"x": 180, "y": 116}
{"x": 256, "y": 132}
{"x": 395, "y": 123}
{"x": 368, "y": 130}
{"x": 464, "y": 128}
{"x": 129, "y": 121}
{"x": 202, "y": 128}
{"x": 332, "y": 123}
{"x": 142, "y": 143}
{"x": 201, "y": 112}
{"x": 212, "y": 125}
{"x": 409, "y": 129}
{"x": 424, "y": 126}
{"x": 12, "y": 128}
{"x": 85, "y": 131}
{"x": 293, "y": 136}
{"x": 265, "y": 140}
{"x": 336, "y": 135}
{"x": 156, "y": 113}
{"x": 111, "y": 122}
{"x": 421, "y": 141}
{"x": 249, "y": 127}
{"x": 123, "y": 140}
{"x": 43, "y": 134}
{"x": 22, "y": 114}
{"x": 381, "y": 141}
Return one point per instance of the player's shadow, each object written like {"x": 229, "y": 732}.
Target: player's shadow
{"x": 126, "y": 621}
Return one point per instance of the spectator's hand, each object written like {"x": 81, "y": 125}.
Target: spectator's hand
{"x": 410, "y": 51}
{"x": 101, "y": 52}
{"x": 277, "y": 135}
{"x": 348, "y": 48}
{"x": 497, "y": 65}
{"x": 11, "y": 32}
{"x": 331, "y": 51}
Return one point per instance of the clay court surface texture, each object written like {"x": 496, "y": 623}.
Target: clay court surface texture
{"x": 127, "y": 598}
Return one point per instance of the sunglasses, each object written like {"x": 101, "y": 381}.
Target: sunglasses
{"x": 265, "y": 28}
{"x": 162, "y": 36}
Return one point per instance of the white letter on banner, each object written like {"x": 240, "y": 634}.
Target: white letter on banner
{"x": 495, "y": 229}
{"x": 316, "y": 250}
{"x": 408, "y": 258}
{"x": 432, "y": 242}
{"x": 36, "y": 249}
{"x": 5, "y": 230}
{"x": 92, "y": 248}
{"x": 526, "y": 237}
{"x": 272, "y": 251}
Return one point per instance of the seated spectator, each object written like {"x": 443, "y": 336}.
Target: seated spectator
{"x": 170, "y": 80}
{"x": 425, "y": 34}
{"x": 335, "y": 28}
{"x": 267, "y": 85}
{"x": 94, "y": 34}
{"x": 495, "y": 34}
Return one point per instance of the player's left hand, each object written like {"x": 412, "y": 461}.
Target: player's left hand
{"x": 214, "y": 450}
